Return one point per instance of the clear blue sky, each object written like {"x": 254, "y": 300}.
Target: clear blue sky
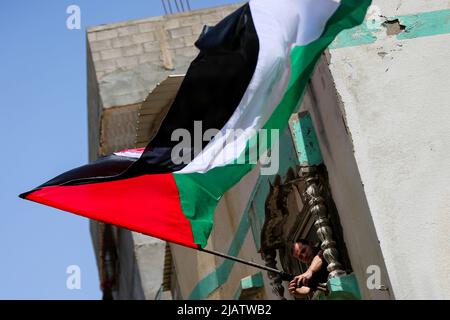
{"x": 43, "y": 132}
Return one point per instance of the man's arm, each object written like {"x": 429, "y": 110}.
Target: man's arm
{"x": 315, "y": 266}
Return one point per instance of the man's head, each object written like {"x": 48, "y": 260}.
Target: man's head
{"x": 303, "y": 251}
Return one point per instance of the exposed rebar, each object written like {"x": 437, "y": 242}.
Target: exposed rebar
{"x": 164, "y": 6}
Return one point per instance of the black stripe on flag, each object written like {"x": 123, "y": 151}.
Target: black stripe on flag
{"x": 211, "y": 90}
{"x": 105, "y": 168}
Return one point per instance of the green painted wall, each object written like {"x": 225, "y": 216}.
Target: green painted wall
{"x": 422, "y": 24}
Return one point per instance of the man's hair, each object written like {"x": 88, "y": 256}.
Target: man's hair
{"x": 302, "y": 241}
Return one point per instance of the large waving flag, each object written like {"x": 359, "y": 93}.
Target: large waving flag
{"x": 250, "y": 75}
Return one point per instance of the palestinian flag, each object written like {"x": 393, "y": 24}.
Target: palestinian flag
{"x": 250, "y": 74}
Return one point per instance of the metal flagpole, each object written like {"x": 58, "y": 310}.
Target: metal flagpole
{"x": 284, "y": 275}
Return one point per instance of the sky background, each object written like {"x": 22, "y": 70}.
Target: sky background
{"x": 43, "y": 130}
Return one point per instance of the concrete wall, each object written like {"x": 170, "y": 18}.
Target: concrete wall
{"x": 395, "y": 102}
{"x": 324, "y": 105}
{"x": 125, "y": 62}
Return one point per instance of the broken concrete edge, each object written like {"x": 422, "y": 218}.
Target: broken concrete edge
{"x": 403, "y": 27}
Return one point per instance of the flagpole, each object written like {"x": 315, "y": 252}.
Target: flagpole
{"x": 284, "y": 275}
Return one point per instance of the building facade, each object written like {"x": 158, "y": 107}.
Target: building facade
{"x": 363, "y": 160}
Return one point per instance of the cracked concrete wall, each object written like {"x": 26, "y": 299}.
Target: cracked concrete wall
{"x": 395, "y": 101}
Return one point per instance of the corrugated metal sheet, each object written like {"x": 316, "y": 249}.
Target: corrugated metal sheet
{"x": 154, "y": 109}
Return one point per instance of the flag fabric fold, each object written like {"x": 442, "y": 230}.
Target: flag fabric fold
{"x": 250, "y": 74}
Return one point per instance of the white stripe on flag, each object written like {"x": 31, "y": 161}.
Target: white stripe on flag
{"x": 280, "y": 25}
{"x": 130, "y": 153}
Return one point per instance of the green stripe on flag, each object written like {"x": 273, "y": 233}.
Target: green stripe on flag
{"x": 200, "y": 193}
{"x": 304, "y": 58}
